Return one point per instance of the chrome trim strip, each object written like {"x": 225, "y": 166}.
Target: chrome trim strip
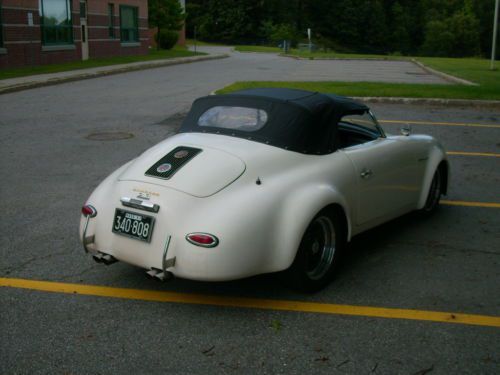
{"x": 167, "y": 263}
{"x": 377, "y": 125}
{"x": 139, "y": 204}
{"x": 90, "y": 239}
{"x": 87, "y": 240}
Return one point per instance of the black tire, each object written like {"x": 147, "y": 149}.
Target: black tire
{"x": 318, "y": 253}
{"x": 434, "y": 195}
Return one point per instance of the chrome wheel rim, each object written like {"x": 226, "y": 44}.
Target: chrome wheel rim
{"x": 434, "y": 192}
{"x": 320, "y": 247}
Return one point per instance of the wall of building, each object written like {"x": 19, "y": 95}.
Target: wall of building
{"x": 22, "y": 43}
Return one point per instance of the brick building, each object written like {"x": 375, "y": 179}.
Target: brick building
{"x": 34, "y": 32}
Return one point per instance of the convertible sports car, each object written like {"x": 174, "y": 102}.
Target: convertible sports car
{"x": 260, "y": 181}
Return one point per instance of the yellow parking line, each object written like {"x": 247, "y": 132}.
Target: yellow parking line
{"x": 471, "y": 204}
{"x": 487, "y": 154}
{"x": 254, "y": 303}
{"x": 440, "y": 123}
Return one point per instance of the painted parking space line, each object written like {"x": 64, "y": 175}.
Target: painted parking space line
{"x": 253, "y": 303}
{"x": 485, "y": 154}
{"x": 471, "y": 204}
{"x": 415, "y": 122}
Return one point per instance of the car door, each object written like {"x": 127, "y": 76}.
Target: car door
{"x": 385, "y": 179}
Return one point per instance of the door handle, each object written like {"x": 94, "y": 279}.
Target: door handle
{"x": 366, "y": 173}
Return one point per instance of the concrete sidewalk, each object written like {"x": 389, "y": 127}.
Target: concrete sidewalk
{"x": 23, "y": 83}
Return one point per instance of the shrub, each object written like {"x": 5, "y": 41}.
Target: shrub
{"x": 166, "y": 39}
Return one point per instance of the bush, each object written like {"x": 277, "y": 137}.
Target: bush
{"x": 276, "y": 34}
{"x": 166, "y": 39}
{"x": 456, "y": 36}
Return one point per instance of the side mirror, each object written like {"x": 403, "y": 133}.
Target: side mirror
{"x": 405, "y": 130}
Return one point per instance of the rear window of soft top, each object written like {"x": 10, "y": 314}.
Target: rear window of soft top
{"x": 234, "y": 118}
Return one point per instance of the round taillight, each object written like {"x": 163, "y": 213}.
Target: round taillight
{"x": 89, "y": 211}
{"x": 202, "y": 239}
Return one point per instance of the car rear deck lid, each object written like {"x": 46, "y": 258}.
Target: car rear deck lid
{"x": 168, "y": 165}
{"x": 204, "y": 172}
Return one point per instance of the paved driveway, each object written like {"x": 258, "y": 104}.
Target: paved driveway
{"x": 271, "y": 67}
{"x": 154, "y": 94}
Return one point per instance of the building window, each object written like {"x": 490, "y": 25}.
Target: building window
{"x": 55, "y": 19}
{"x": 111, "y": 20}
{"x": 83, "y": 9}
{"x": 129, "y": 24}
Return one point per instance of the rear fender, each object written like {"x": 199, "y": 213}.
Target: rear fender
{"x": 437, "y": 155}
{"x": 298, "y": 210}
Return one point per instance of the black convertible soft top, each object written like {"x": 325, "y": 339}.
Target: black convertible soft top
{"x": 298, "y": 120}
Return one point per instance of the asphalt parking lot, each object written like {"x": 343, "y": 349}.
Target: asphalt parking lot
{"x": 51, "y": 161}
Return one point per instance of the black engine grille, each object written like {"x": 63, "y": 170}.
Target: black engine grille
{"x": 166, "y": 167}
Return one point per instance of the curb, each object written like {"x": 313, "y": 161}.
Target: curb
{"x": 445, "y": 76}
{"x": 122, "y": 68}
{"x": 342, "y": 58}
{"x": 490, "y": 104}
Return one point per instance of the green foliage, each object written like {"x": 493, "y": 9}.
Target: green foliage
{"x": 399, "y": 35}
{"x": 94, "y": 63}
{"x": 166, "y": 39}
{"x": 457, "y": 35}
{"x": 438, "y": 39}
{"x": 278, "y": 33}
{"x": 166, "y": 14}
{"x": 229, "y": 21}
{"x": 408, "y": 27}
{"x": 375, "y": 31}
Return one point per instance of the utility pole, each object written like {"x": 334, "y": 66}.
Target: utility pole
{"x": 495, "y": 27}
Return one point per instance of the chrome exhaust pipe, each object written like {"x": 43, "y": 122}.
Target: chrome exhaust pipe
{"x": 164, "y": 276}
{"x": 104, "y": 258}
{"x": 152, "y": 273}
{"x": 108, "y": 259}
{"x": 159, "y": 275}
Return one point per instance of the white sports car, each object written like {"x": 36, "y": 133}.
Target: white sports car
{"x": 260, "y": 181}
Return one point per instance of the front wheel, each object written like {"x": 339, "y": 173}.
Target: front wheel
{"x": 318, "y": 253}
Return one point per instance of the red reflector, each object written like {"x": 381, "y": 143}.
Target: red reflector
{"x": 202, "y": 239}
{"x": 89, "y": 210}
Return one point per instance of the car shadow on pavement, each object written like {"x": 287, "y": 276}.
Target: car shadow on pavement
{"x": 375, "y": 243}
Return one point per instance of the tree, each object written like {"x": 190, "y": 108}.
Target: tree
{"x": 279, "y": 33}
{"x": 455, "y": 36}
{"x": 465, "y": 27}
{"x": 437, "y": 27}
{"x": 165, "y": 15}
{"x": 375, "y": 33}
{"x": 438, "y": 39}
{"x": 400, "y": 37}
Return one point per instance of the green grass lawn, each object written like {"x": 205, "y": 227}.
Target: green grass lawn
{"x": 316, "y": 55}
{"x": 265, "y": 49}
{"x": 93, "y": 63}
{"x": 475, "y": 70}
{"x": 190, "y": 42}
{"x": 472, "y": 69}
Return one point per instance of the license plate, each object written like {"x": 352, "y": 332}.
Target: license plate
{"x": 133, "y": 225}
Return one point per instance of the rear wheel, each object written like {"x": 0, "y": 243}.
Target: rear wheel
{"x": 435, "y": 192}
{"x": 318, "y": 253}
